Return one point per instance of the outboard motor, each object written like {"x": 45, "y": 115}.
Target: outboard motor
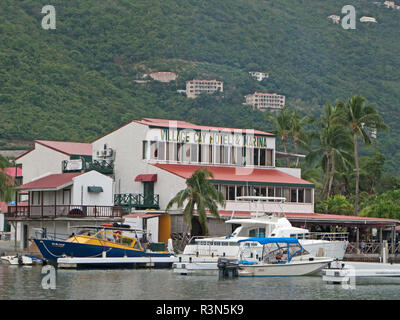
{"x": 20, "y": 261}
{"x": 228, "y": 268}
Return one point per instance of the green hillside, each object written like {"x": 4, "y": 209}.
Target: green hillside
{"x": 78, "y": 81}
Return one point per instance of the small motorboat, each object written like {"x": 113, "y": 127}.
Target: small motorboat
{"x": 96, "y": 241}
{"x": 17, "y": 260}
{"x": 281, "y": 257}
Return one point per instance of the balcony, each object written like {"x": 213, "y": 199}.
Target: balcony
{"x": 77, "y": 165}
{"x": 137, "y": 200}
{"x": 63, "y": 211}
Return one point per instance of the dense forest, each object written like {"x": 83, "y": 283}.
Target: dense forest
{"x": 78, "y": 81}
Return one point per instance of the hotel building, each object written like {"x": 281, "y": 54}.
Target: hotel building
{"x": 265, "y": 101}
{"x": 196, "y": 87}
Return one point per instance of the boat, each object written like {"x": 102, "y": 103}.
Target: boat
{"x": 17, "y": 260}
{"x": 264, "y": 224}
{"x": 95, "y": 241}
{"x": 281, "y": 257}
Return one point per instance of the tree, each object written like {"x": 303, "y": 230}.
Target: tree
{"x": 199, "y": 196}
{"x": 6, "y": 182}
{"x": 298, "y": 133}
{"x": 360, "y": 117}
{"x": 337, "y": 204}
{"x": 282, "y": 123}
{"x": 333, "y": 146}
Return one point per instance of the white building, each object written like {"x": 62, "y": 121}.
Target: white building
{"x": 196, "y": 87}
{"x": 265, "y": 101}
{"x": 368, "y": 19}
{"x": 260, "y": 76}
{"x": 334, "y": 18}
{"x": 47, "y": 157}
{"x": 156, "y": 156}
{"x": 57, "y": 202}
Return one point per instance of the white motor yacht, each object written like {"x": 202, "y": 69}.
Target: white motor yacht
{"x": 208, "y": 250}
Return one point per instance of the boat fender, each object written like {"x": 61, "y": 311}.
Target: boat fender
{"x": 311, "y": 259}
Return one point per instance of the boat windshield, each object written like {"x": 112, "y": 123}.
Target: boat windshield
{"x": 282, "y": 252}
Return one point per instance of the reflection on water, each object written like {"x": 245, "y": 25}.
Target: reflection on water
{"x": 25, "y": 283}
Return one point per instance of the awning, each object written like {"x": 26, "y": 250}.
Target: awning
{"x": 95, "y": 189}
{"x": 146, "y": 177}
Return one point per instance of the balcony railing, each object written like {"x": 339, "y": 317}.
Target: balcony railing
{"x": 102, "y": 166}
{"x": 137, "y": 200}
{"x": 69, "y": 211}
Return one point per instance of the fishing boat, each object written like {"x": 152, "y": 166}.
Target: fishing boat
{"x": 281, "y": 257}
{"x": 17, "y": 260}
{"x": 96, "y": 241}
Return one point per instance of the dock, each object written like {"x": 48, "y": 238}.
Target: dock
{"x": 120, "y": 262}
{"x": 344, "y": 272}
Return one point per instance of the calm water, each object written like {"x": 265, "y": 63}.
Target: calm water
{"x": 25, "y": 283}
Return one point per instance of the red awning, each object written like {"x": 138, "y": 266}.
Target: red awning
{"x": 146, "y": 177}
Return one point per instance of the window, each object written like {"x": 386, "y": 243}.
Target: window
{"x": 226, "y": 151}
{"x": 262, "y": 157}
{"x": 144, "y": 149}
{"x": 263, "y": 191}
{"x": 239, "y": 191}
{"x": 231, "y": 193}
{"x": 269, "y": 158}
{"x": 193, "y": 153}
{"x": 255, "y": 156}
{"x": 271, "y": 192}
{"x": 293, "y": 195}
{"x": 153, "y": 150}
{"x": 300, "y": 195}
{"x": 308, "y": 196}
{"x": 287, "y": 194}
{"x": 278, "y": 192}
{"x": 161, "y": 151}
{"x": 186, "y": 152}
{"x": 249, "y": 156}
{"x": 200, "y": 152}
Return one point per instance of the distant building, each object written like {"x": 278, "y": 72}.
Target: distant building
{"x": 390, "y": 4}
{"x": 163, "y": 76}
{"x": 259, "y": 75}
{"x": 196, "y": 87}
{"x": 264, "y": 101}
{"x": 334, "y": 18}
{"x": 368, "y": 19}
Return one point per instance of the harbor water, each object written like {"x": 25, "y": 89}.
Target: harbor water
{"x": 25, "y": 282}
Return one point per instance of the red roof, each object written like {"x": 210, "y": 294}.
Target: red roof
{"x": 320, "y": 218}
{"x": 50, "y": 182}
{"x": 236, "y": 174}
{"x": 187, "y": 125}
{"x": 68, "y": 148}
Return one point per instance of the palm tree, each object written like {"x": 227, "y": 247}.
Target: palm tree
{"x": 299, "y": 135}
{"x": 282, "y": 122}
{"x": 6, "y": 182}
{"x": 360, "y": 117}
{"x": 199, "y": 196}
{"x": 334, "y": 145}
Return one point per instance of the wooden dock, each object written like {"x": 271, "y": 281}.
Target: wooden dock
{"x": 122, "y": 262}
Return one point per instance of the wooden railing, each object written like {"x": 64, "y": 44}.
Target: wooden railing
{"x": 137, "y": 200}
{"x": 72, "y": 211}
{"x": 370, "y": 248}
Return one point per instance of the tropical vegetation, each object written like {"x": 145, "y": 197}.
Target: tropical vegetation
{"x": 199, "y": 197}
